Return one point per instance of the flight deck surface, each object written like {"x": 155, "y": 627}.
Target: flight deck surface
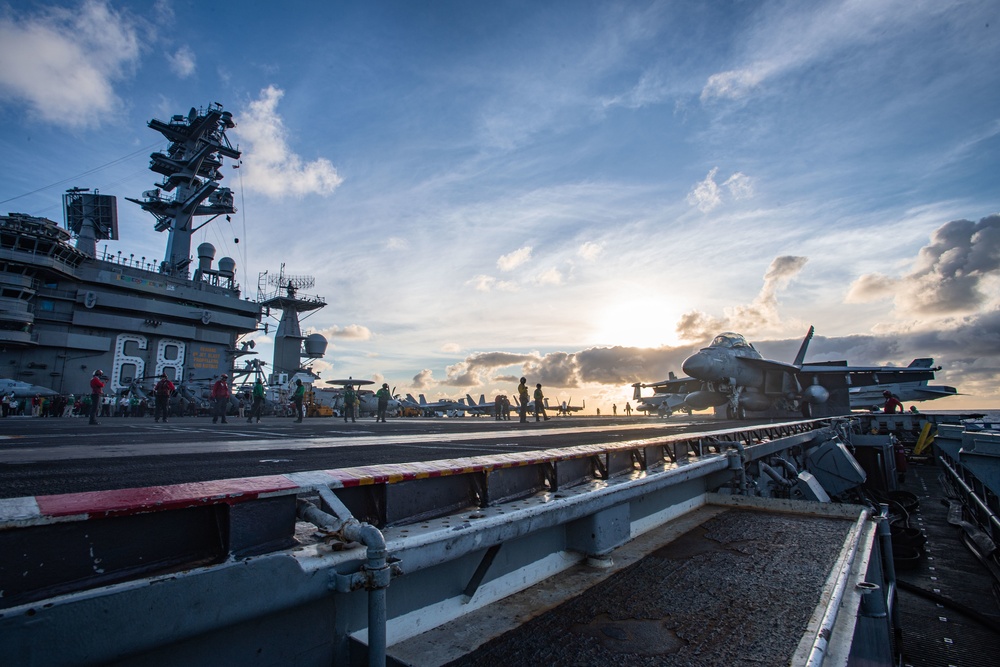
{"x": 65, "y": 455}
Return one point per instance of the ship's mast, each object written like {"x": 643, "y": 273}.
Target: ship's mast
{"x": 190, "y": 168}
{"x": 288, "y": 339}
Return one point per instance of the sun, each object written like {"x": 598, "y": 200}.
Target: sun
{"x": 636, "y": 323}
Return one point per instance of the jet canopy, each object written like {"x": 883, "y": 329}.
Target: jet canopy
{"x": 730, "y": 340}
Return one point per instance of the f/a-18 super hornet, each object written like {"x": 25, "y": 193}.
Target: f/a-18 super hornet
{"x": 735, "y": 375}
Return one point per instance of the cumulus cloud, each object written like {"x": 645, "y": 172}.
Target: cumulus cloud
{"x": 270, "y": 165}
{"x": 182, "y": 62}
{"x": 761, "y": 314}
{"x": 424, "y": 379}
{"x": 512, "y": 260}
{"x": 349, "y": 332}
{"x": 955, "y": 274}
{"x": 62, "y": 64}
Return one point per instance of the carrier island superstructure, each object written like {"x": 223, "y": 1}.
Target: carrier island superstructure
{"x": 67, "y": 310}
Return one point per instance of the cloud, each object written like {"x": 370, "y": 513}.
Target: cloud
{"x": 182, "y": 62}
{"x": 63, "y": 63}
{"x": 484, "y": 283}
{"x": 396, "y": 243}
{"x": 451, "y": 348}
{"x": 735, "y": 84}
{"x": 424, "y": 379}
{"x": 740, "y": 186}
{"x": 550, "y": 276}
{"x": 707, "y": 194}
{"x": 590, "y": 251}
{"x": 512, "y": 260}
{"x": 349, "y": 332}
{"x": 759, "y": 315}
{"x": 955, "y": 274}
{"x": 270, "y": 167}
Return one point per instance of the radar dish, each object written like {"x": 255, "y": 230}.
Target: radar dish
{"x": 80, "y": 206}
{"x": 294, "y": 282}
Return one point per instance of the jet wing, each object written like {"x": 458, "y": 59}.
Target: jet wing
{"x": 769, "y": 365}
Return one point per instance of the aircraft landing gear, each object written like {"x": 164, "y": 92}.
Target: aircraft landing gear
{"x": 807, "y": 410}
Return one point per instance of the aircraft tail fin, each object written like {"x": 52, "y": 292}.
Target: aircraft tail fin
{"x": 482, "y": 399}
{"x": 471, "y": 402}
{"x": 924, "y": 362}
{"x": 423, "y": 401}
{"x": 801, "y": 356}
{"x": 637, "y": 394}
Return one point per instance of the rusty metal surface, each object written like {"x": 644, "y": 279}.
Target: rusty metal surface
{"x": 737, "y": 590}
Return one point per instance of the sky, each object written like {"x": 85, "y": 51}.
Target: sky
{"x": 582, "y": 193}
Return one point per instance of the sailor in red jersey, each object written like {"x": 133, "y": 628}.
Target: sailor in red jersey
{"x": 220, "y": 396}
{"x": 96, "y": 391}
{"x": 891, "y": 403}
{"x": 161, "y": 393}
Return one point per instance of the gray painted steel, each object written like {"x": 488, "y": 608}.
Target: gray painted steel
{"x": 312, "y": 604}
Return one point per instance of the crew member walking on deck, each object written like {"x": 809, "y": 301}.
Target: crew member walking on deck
{"x": 96, "y": 389}
{"x": 522, "y": 397}
{"x": 258, "y": 401}
{"x": 220, "y": 399}
{"x": 891, "y": 403}
{"x": 161, "y": 393}
{"x": 349, "y": 398}
{"x": 383, "y": 395}
{"x": 539, "y": 403}
{"x": 297, "y": 398}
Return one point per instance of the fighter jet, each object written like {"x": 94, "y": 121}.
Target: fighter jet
{"x": 669, "y": 395}
{"x": 24, "y": 389}
{"x": 863, "y": 398}
{"x": 737, "y": 376}
{"x": 444, "y": 405}
{"x": 566, "y": 407}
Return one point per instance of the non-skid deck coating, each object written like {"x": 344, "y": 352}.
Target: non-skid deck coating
{"x": 737, "y": 590}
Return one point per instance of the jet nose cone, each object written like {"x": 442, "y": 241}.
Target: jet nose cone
{"x": 699, "y": 366}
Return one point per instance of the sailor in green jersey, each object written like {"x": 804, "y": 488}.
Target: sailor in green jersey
{"x": 539, "y": 403}
{"x": 258, "y": 401}
{"x": 383, "y": 396}
{"x": 350, "y": 398}
{"x": 297, "y": 398}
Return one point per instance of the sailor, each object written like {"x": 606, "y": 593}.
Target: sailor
{"x": 96, "y": 389}
{"x": 522, "y": 397}
{"x": 349, "y": 399}
{"x": 258, "y": 401}
{"x": 539, "y": 403}
{"x": 161, "y": 393}
{"x": 297, "y": 397}
{"x": 383, "y": 396}
{"x": 891, "y": 403}
{"x": 220, "y": 398}
{"x": 498, "y": 407}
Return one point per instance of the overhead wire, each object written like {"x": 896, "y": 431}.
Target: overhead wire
{"x": 85, "y": 173}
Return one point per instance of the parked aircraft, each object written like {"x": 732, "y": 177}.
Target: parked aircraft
{"x": 668, "y": 397}
{"x": 863, "y": 398}
{"x": 24, "y": 389}
{"x": 737, "y": 376}
{"x": 445, "y": 405}
{"x": 367, "y": 400}
{"x": 480, "y": 408}
{"x": 566, "y": 407}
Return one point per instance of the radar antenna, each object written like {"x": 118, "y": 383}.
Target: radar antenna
{"x": 288, "y": 339}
